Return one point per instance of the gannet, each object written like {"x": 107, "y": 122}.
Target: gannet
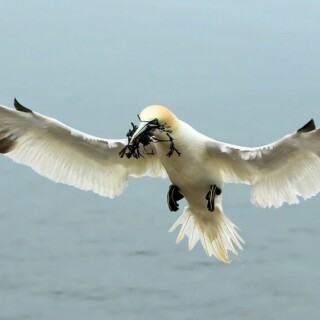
{"x": 162, "y": 145}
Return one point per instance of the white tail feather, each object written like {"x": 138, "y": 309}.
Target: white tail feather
{"x": 215, "y": 231}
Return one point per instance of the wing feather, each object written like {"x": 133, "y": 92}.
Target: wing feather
{"x": 66, "y": 155}
{"x": 279, "y": 172}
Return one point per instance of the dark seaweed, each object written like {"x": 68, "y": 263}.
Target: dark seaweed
{"x": 145, "y": 139}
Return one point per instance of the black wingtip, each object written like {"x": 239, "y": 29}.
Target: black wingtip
{"x": 308, "y": 127}
{"x": 20, "y": 107}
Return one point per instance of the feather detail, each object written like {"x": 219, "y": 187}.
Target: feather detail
{"x": 69, "y": 156}
{"x": 215, "y": 231}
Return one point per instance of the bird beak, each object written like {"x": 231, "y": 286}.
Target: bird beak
{"x": 143, "y": 126}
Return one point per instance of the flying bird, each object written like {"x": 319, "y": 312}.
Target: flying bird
{"x": 162, "y": 145}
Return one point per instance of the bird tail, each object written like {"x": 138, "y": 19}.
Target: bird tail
{"x": 215, "y": 231}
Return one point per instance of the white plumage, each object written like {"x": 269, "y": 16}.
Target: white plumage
{"x": 279, "y": 172}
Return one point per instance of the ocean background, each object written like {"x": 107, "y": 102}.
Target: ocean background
{"x": 245, "y": 72}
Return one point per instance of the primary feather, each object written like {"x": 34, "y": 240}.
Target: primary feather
{"x": 69, "y": 156}
{"x": 279, "y": 172}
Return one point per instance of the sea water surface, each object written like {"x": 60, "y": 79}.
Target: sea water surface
{"x": 244, "y": 72}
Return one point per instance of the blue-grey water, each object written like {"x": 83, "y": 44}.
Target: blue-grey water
{"x": 245, "y": 72}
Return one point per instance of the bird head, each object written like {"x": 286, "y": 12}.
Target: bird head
{"x": 153, "y": 121}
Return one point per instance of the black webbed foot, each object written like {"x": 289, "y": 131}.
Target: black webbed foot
{"x": 214, "y": 190}
{"x": 172, "y": 197}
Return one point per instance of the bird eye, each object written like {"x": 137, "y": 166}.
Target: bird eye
{"x": 154, "y": 122}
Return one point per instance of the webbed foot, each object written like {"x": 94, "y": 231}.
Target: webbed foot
{"x": 214, "y": 190}
{"x": 172, "y": 197}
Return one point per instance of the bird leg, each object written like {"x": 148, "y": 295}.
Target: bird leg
{"x": 172, "y": 197}
{"x": 214, "y": 190}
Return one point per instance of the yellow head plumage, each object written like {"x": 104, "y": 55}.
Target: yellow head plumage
{"x": 163, "y": 114}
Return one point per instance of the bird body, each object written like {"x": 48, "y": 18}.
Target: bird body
{"x": 165, "y": 146}
{"x": 192, "y": 172}
{"x": 189, "y": 170}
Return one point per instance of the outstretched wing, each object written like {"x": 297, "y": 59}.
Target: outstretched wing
{"x": 65, "y": 155}
{"x": 278, "y": 172}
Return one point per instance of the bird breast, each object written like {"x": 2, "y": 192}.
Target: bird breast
{"x": 189, "y": 170}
